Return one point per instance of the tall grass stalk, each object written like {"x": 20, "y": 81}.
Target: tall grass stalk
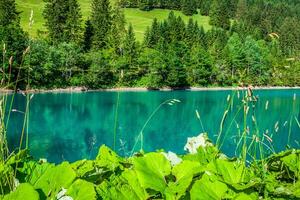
{"x": 7, "y": 179}
{"x": 230, "y": 99}
{"x": 116, "y": 121}
{"x": 291, "y": 120}
{"x": 200, "y": 121}
{"x": 140, "y": 137}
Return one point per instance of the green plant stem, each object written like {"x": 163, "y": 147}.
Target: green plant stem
{"x": 116, "y": 121}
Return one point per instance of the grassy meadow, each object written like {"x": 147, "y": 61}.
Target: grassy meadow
{"x": 139, "y": 19}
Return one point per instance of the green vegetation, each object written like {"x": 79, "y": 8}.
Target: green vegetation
{"x": 138, "y": 18}
{"x": 99, "y": 44}
{"x": 260, "y": 47}
{"x": 205, "y": 174}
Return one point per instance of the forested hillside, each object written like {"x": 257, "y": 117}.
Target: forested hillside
{"x": 249, "y": 42}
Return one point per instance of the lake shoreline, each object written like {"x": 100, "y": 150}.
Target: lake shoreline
{"x": 144, "y": 89}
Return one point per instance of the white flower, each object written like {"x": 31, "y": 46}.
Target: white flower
{"x": 61, "y": 194}
{"x": 172, "y": 157}
{"x": 66, "y": 198}
{"x": 16, "y": 183}
{"x": 193, "y": 143}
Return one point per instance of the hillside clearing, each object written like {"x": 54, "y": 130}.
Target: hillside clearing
{"x": 139, "y": 19}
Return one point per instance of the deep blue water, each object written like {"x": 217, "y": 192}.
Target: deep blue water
{"x": 72, "y": 126}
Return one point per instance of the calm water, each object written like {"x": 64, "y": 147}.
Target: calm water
{"x": 71, "y": 126}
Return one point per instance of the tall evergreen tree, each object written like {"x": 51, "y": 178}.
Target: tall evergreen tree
{"x": 118, "y": 30}
{"x": 88, "y": 35}
{"x": 145, "y": 5}
{"x": 12, "y": 37}
{"x": 241, "y": 9}
{"x": 63, "y": 20}
{"x": 153, "y": 34}
{"x": 73, "y": 29}
{"x": 130, "y": 46}
{"x": 219, "y": 14}
{"x": 289, "y": 36}
{"x": 11, "y": 33}
{"x": 189, "y": 7}
{"x": 191, "y": 33}
{"x": 8, "y": 13}
{"x": 204, "y": 6}
{"x": 101, "y": 20}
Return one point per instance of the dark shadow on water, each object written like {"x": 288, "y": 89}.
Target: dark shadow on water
{"x": 61, "y": 149}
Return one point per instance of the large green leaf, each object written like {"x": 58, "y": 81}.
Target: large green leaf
{"x": 151, "y": 171}
{"x": 183, "y": 173}
{"x": 24, "y": 191}
{"x": 204, "y": 155}
{"x": 83, "y": 167}
{"x": 108, "y": 158}
{"x": 208, "y": 188}
{"x": 135, "y": 187}
{"x": 55, "y": 178}
{"x": 119, "y": 188}
{"x": 34, "y": 171}
{"x": 292, "y": 161}
{"x": 82, "y": 190}
{"x": 244, "y": 196}
{"x": 231, "y": 172}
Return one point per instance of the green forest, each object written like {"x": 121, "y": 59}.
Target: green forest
{"x": 250, "y": 42}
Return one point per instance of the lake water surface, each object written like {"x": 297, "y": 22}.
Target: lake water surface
{"x": 72, "y": 126}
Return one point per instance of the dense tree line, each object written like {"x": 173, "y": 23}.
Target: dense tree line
{"x": 251, "y": 42}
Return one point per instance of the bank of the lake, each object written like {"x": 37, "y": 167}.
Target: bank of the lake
{"x": 140, "y": 89}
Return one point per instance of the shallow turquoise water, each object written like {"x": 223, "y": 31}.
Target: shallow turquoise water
{"x": 72, "y": 126}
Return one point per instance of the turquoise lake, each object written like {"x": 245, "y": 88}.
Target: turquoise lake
{"x": 72, "y": 126}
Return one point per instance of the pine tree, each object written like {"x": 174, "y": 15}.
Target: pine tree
{"x": 11, "y": 33}
{"x": 289, "y": 36}
{"x": 219, "y": 14}
{"x": 63, "y": 20}
{"x": 118, "y": 30}
{"x": 101, "y": 19}
{"x": 73, "y": 29}
{"x": 190, "y": 33}
{"x": 8, "y": 13}
{"x": 12, "y": 37}
{"x": 241, "y": 9}
{"x": 145, "y": 5}
{"x": 154, "y": 34}
{"x": 189, "y": 7}
{"x": 130, "y": 46}
{"x": 88, "y": 35}
{"x": 204, "y": 6}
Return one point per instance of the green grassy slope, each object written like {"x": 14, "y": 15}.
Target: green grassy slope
{"x": 139, "y": 19}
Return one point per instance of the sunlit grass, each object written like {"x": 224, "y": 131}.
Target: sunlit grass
{"x": 139, "y": 19}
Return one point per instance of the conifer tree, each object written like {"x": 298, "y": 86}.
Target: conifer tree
{"x": 63, "y": 20}
{"x": 204, "y": 6}
{"x": 289, "y": 36}
{"x": 118, "y": 30}
{"x": 219, "y": 14}
{"x": 73, "y": 29}
{"x": 189, "y": 7}
{"x": 12, "y": 37}
{"x": 145, "y": 5}
{"x": 241, "y": 9}
{"x": 190, "y": 34}
{"x": 88, "y": 35}
{"x": 8, "y": 13}
{"x": 130, "y": 46}
{"x": 154, "y": 34}
{"x": 101, "y": 20}
{"x": 11, "y": 33}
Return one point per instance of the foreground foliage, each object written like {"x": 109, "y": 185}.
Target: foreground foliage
{"x": 204, "y": 174}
